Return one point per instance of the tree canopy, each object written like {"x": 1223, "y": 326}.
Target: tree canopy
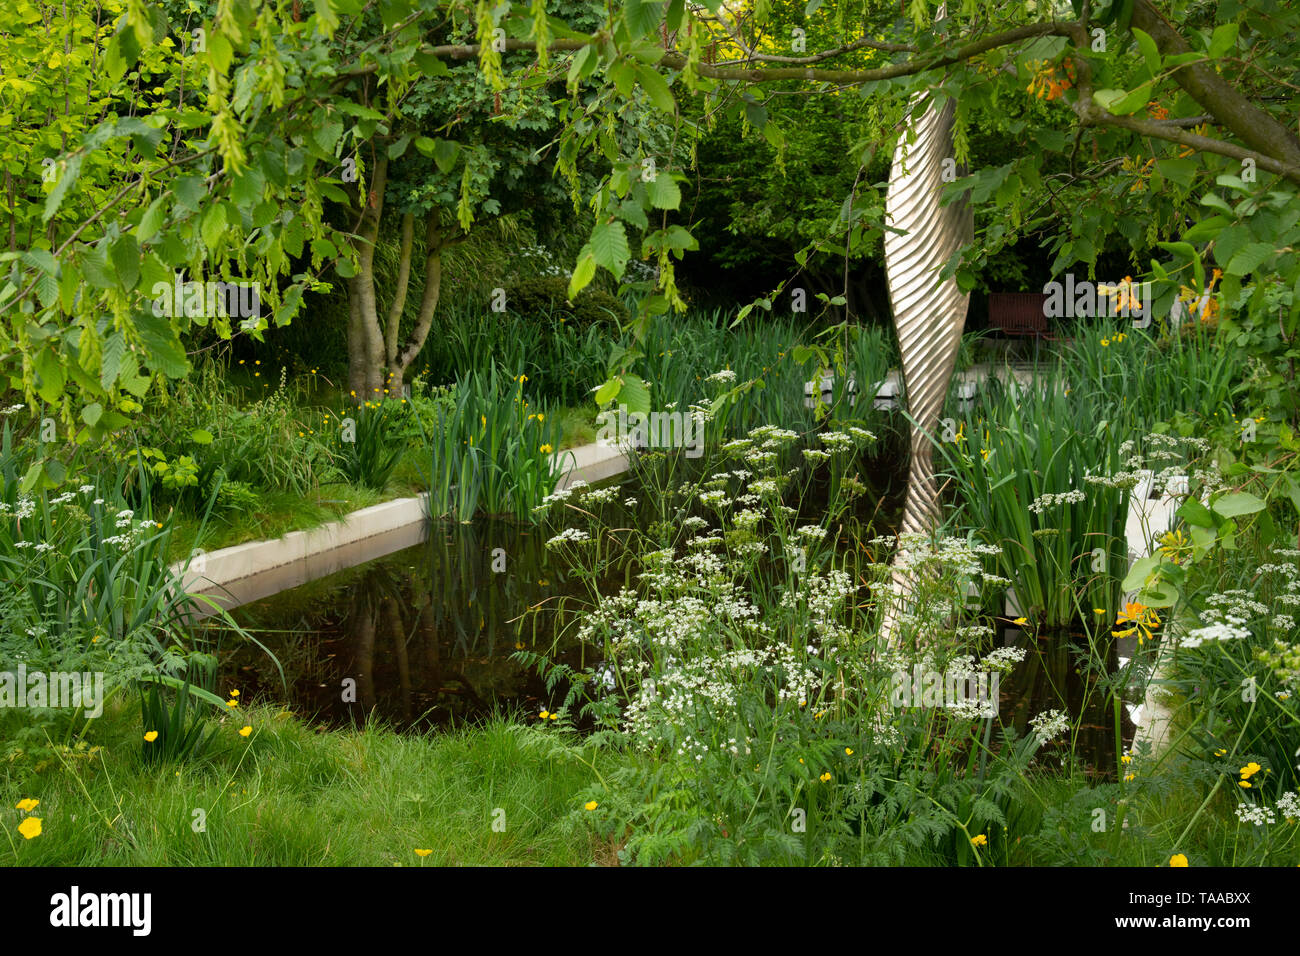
{"x": 219, "y": 139}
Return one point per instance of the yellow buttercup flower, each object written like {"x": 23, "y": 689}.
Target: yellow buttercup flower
{"x": 423, "y": 852}
{"x": 245, "y": 731}
{"x": 30, "y": 828}
{"x": 979, "y": 839}
{"x": 825, "y": 777}
{"x": 27, "y": 805}
{"x": 1178, "y": 859}
{"x": 544, "y": 714}
{"x": 151, "y": 736}
{"x": 849, "y": 751}
{"x": 1250, "y": 770}
{"x": 590, "y": 805}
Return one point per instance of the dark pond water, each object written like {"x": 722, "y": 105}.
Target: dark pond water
{"x": 427, "y": 637}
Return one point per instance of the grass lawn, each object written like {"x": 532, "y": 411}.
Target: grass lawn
{"x": 293, "y": 795}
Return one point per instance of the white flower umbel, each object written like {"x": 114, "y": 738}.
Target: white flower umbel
{"x": 1049, "y": 725}
{"x": 1045, "y": 501}
{"x": 568, "y": 536}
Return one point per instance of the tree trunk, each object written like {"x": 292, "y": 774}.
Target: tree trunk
{"x": 362, "y": 291}
{"x": 399, "y": 363}
{"x": 398, "y": 305}
{"x": 373, "y": 346}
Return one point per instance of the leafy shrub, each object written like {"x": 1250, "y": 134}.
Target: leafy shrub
{"x": 546, "y": 298}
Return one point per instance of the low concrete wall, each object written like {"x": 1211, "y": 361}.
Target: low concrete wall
{"x": 258, "y": 569}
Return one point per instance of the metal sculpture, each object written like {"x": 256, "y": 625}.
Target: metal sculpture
{"x": 929, "y": 314}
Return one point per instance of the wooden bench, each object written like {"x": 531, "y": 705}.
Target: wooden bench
{"x": 1022, "y": 315}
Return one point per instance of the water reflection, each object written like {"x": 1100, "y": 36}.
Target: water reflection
{"x": 423, "y": 636}
{"x": 1056, "y": 674}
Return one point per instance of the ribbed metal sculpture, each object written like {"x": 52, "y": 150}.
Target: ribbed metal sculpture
{"x": 929, "y": 315}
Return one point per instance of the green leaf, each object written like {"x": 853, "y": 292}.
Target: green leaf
{"x": 579, "y": 67}
{"x": 92, "y": 413}
{"x": 219, "y": 52}
{"x": 430, "y": 65}
{"x": 1140, "y": 570}
{"x": 1121, "y": 103}
{"x": 1195, "y": 513}
{"x": 609, "y": 247}
{"x": 71, "y": 170}
{"x": 247, "y": 188}
{"x": 1223, "y": 40}
{"x": 111, "y": 362}
{"x": 1179, "y": 171}
{"x": 1237, "y": 503}
{"x": 189, "y": 191}
{"x": 676, "y": 11}
{"x": 396, "y": 149}
{"x": 201, "y": 436}
{"x": 635, "y": 394}
{"x": 1249, "y": 258}
{"x": 50, "y": 370}
{"x": 663, "y": 192}
{"x": 445, "y": 153}
{"x": 623, "y": 74}
{"x": 583, "y": 272}
{"x": 214, "y": 224}
{"x": 608, "y": 391}
{"x": 642, "y": 16}
{"x": 42, "y": 259}
{"x": 1150, "y": 52}
{"x": 327, "y": 134}
{"x": 122, "y": 52}
{"x": 125, "y": 256}
{"x": 656, "y": 88}
{"x": 151, "y": 221}
{"x": 32, "y": 478}
{"x": 164, "y": 351}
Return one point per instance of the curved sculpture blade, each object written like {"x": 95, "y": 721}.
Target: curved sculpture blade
{"x": 928, "y": 315}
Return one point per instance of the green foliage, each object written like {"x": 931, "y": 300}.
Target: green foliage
{"x": 181, "y": 731}
{"x": 371, "y": 443}
{"x": 494, "y": 452}
{"x": 543, "y": 300}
